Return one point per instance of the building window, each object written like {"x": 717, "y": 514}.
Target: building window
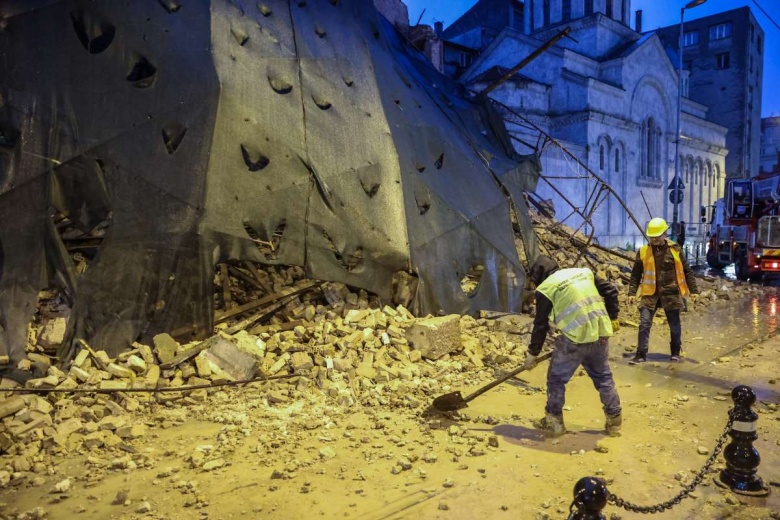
{"x": 752, "y": 31}
{"x": 718, "y": 32}
{"x": 546, "y": 13}
{"x": 651, "y": 136}
{"x": 588, "y": 7}
{"x": 566, "y": 10}
{"x": 758, "y": 44}
{"x": 601, "y": 157}
{"x": 609, "y": 9}
{"x": 624, "y": 11}
{"x": 690, "y": 38}
{"x": 722, "y": 60}
{"x": 617, "y": 160}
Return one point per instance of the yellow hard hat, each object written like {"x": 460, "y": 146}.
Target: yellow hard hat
{"x": 656, "y": 227}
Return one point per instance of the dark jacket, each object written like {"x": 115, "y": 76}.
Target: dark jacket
{"x": 667, "y": 293}
{"x": 544, "y": 308}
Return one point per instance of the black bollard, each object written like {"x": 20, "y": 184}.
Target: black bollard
{"x": 742, "y": 458}
{"x": 590, "y": 497}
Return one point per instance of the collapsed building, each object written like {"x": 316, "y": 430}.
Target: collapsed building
{"x": 143, "y": 144}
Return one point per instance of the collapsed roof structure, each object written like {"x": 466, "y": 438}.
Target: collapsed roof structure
{"x": 299, "y": 132}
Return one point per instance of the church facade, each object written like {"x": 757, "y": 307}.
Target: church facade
{"x": 609, "y": 95}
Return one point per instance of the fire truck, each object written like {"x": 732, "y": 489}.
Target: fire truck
{"x": 746, "y": 227}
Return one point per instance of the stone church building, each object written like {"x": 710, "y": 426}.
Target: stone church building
{"x": 609, "y": 95}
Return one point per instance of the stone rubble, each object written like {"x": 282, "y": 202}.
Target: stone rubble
{"x": 346, "y": 349}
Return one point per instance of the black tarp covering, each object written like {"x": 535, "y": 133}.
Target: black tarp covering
{"x": 192, "y": 128}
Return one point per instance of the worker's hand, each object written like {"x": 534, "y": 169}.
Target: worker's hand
{"x": 631, "y": 300}
{"x": 530, "y": 362}
{"x": 615, "y": 325}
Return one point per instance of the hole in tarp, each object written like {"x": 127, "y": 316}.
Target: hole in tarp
{"x": 254, "y": 160}
{"x": 469, "y": 284}
{"x": 240, "y": 36}
{"x": 422, "y": 205}
{"x": 94, "y": 34}
{"x": 301, "y": 3}
{"x": 350, "y": 263}
{"x": 370, "y": 189}
{"x": 404, "y": 80}
{"x": 397, "y": 102}
{"x": 439, "y": 162}
{"x": 82, "y": 245}
{"x": 334, "y": 2}
{"x": 370, "y": 177}
{"x": 421, "y": 169}
{"x": 264, "y": 10}
{"x": 170, "y": 5}
{"x": 279, "y": 85}
{"x": 172, "y": 137}
{"x": 8, "y": 138}
{"x": 142, "y": 72}
{"x": 320, "y": 31}
{"x": 348, "y": 81}
{"x": 268, "y": 246}
{"x": 321, "y": 103}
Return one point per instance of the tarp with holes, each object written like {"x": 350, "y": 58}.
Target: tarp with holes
{"x": 285, "y": 132}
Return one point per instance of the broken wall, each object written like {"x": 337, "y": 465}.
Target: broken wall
{"x": 178, "y": 135}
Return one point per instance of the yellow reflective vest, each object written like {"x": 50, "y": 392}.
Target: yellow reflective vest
{"x": 649, "y": 275}
{"x": 578, "y": 308}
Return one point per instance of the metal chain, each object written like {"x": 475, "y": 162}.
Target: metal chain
{"x": 687, "y": 490}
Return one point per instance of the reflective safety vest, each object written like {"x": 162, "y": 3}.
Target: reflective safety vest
{"x": 578, "y": 308}
{"x": 649, "y": 276}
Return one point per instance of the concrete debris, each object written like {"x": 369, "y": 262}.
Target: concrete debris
{"x": 340, "y": 347}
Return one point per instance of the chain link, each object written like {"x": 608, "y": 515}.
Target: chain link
{"x": 687, "y": 490}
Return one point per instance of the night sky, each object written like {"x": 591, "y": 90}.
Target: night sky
{"x": 656, "y": 13}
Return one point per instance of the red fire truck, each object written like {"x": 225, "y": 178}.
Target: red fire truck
{"x": 746, "y": 227}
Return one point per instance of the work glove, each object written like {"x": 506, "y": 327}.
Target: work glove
{"x": 530, "y": 362}
{"x": 615, "y": 325}
{"x": 631, "y": 300}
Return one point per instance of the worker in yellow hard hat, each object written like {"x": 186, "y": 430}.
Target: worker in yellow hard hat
{"x": 662, "y": 275}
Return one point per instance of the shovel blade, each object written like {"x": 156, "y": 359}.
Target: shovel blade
{"x": 450, "y": 402}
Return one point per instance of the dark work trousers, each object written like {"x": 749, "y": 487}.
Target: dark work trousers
{"x": 566, "y": 359}
{"x": 646, "y": 322}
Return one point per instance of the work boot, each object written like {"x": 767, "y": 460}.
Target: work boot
{"x": 551, "y": 425}
{"x": 639, "y": 358}
{"x": 613, "y": 425}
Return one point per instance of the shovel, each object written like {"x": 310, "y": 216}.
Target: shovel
{"x": 455, "y": 401}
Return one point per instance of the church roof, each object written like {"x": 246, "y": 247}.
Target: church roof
{"x": 624, "y": 50}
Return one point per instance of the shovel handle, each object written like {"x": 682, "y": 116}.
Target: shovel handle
{"x": 503, "y": 378}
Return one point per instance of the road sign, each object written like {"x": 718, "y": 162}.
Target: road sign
{"x": 676, "y": 196}
{"x": 676, "y": 184}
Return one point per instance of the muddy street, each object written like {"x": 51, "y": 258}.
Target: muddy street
{"x": 276, "y": 450}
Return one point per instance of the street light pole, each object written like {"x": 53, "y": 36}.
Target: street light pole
{"x": 676, "y": 180}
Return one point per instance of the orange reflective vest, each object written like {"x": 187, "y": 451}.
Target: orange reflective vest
{"x": 649, "y": 277}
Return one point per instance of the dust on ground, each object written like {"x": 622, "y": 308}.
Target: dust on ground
{"x": 239, "y": 454}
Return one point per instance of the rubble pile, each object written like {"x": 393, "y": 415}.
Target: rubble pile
{"x": 307, "y": 346}
{"x": 572, "y": 249}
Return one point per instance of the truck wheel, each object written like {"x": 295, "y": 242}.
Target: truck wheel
{"x": 712, "y": 259}
{"x": 741, "y": 268}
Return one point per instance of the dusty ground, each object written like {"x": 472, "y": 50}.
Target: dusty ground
{"x": 311, "y": 458}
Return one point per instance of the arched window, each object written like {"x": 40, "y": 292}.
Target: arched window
{"x": 566, "y": 10}
{"x": 588, "y": 7}
{"x": 601, "y": 157}
{"x": 546, "y": 13}
{"x": 650, "y": 149}
{"x": 617, "y": 160}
